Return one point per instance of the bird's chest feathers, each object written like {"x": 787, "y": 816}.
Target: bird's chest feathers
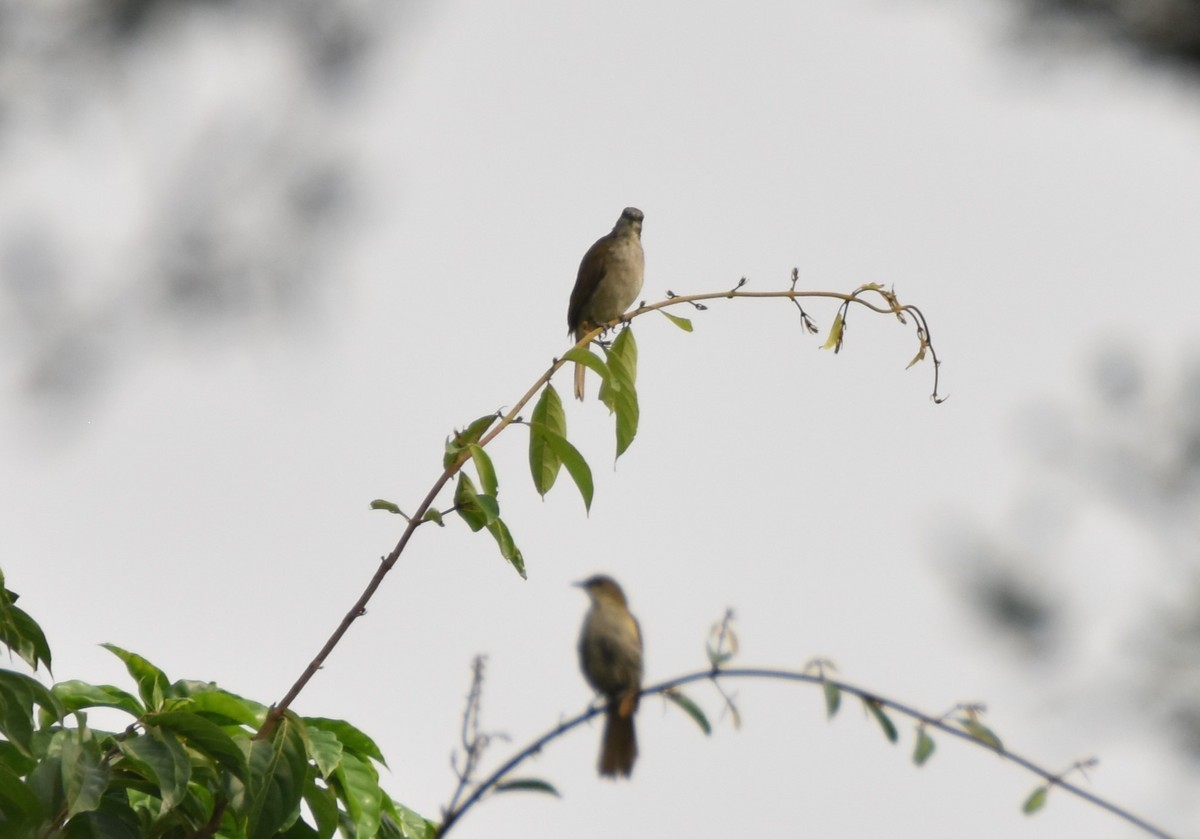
{"x": 621, "y": 283}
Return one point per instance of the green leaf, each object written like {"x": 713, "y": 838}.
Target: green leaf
{"x": 16, "y": 716}
{"x": 45, "y": 779}
{"x": 434, "y": 516}
{"x": 527, "y": 785}
{"x": 19, "y": 804}
{"x": 885, "y": 722}
{"x": 324, "y": 748}
{"x": 113, "y": 820}
{"x": 160, "y": 757}
{"x": 833, "y": 698}
{"x": 485, "y": 469}
{"x": 278, "y": 773}
{"x": 457, "y": 444}
{"x": 543, "y": 462}
{"x": 690, "y": 708}
{"x": 508, "y": 547}
{"x": 1036, "y": 800}
{"x": 619, "y": 392}
{"x": 11, "y": 757}
{"x": 21, "y": 633}
{"x": 478, "y": 511}
{"x": 834, "y": 341}
{"x": 981, "y": 733}
{"x": 322, "y": 803}
{"x": 920, "y": 356}
{"x": 389, "y": 824}
{"x": 381, "y": 504}
{"x": 221, "y": 706}
{"x": 205, "y": 737}
{"x": 358, "y": 788}
{"x": 924, "y": 748}
{"x": 85, "y": 775}
{"x": 568, "y": 456}
{"x": 590, "y": 360}
{"x": 152, "y": 682}
{"x": 350, "y": 737}
{"x": 413, "y": 825}
{"x": 682, "y": 323}
{"x": 18, "y": 696}
{"x": 76, "y": 695}
{"x": 490, "y": 507}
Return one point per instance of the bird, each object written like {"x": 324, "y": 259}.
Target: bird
{"x": 610, "y": 655}
{"x": 609, "y": 281}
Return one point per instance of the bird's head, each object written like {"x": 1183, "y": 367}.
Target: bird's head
{"x": 631, "y": 219}
{"x": 603, "y": 589}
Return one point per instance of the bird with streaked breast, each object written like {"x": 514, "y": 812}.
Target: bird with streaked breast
{"x": 609, "y": 281}
{"x": 610, "y": 655}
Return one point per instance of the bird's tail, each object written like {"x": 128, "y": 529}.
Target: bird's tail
{"x": 580, "y": 370}
{"x": 620, "y": 743}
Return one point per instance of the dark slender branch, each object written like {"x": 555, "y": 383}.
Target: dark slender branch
{"x": 360, "y": 605}
{"x": 1051, "y": 778}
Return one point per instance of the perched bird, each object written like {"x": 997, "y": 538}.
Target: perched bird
{"x": 610, "y": 653}
{"x": 609, "y": 281}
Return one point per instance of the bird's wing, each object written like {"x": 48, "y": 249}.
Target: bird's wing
{"x": 591, "y": 271}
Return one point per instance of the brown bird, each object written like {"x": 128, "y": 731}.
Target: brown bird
{"x": 610, "y": 279}
{"x": 610, "y": 653}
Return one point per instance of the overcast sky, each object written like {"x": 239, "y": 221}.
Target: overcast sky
{"x": 207, "y": 505}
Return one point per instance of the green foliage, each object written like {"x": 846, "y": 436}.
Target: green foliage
{"x": 682, "y": 323}
{"x": 619, "y": 391}
{"x": 588, "y": 359}
{"x": 19, "y": 632}
{"x": 462, "y": 440}
{"x": 690, "y": 708}
{"x": 875, "y": 707}
{"x": 549, "y": 449}
{"x": 18, "y": 696}
{"x": 833, "y": 698}
{"x": 923, "y": 750}
{"x": 188, "y": 762}
{"x": 834, "y": 341}
{"x": 548, "y": 418}
{"x": 481, "y": 510}
{"x": 527, "y": 785}
{"x": 1036, "y": 800}
{"x": 980, "y": 732}
{"x": 555, "y": 451}
{"x": 508, "y": 547}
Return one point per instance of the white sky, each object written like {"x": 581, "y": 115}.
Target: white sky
{"x": 210, "y": 512}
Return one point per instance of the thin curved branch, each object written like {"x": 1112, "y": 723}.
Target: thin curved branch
{"x": 939, "y": 723}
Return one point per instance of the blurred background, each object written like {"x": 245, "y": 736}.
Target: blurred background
{"x": 257, "y": 259}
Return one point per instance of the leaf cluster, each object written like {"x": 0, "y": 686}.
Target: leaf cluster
{"x": 188, "y": 762}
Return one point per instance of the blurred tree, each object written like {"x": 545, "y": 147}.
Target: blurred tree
{"x": 167, "y": 164}
{"x": 1159, "y": 30}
